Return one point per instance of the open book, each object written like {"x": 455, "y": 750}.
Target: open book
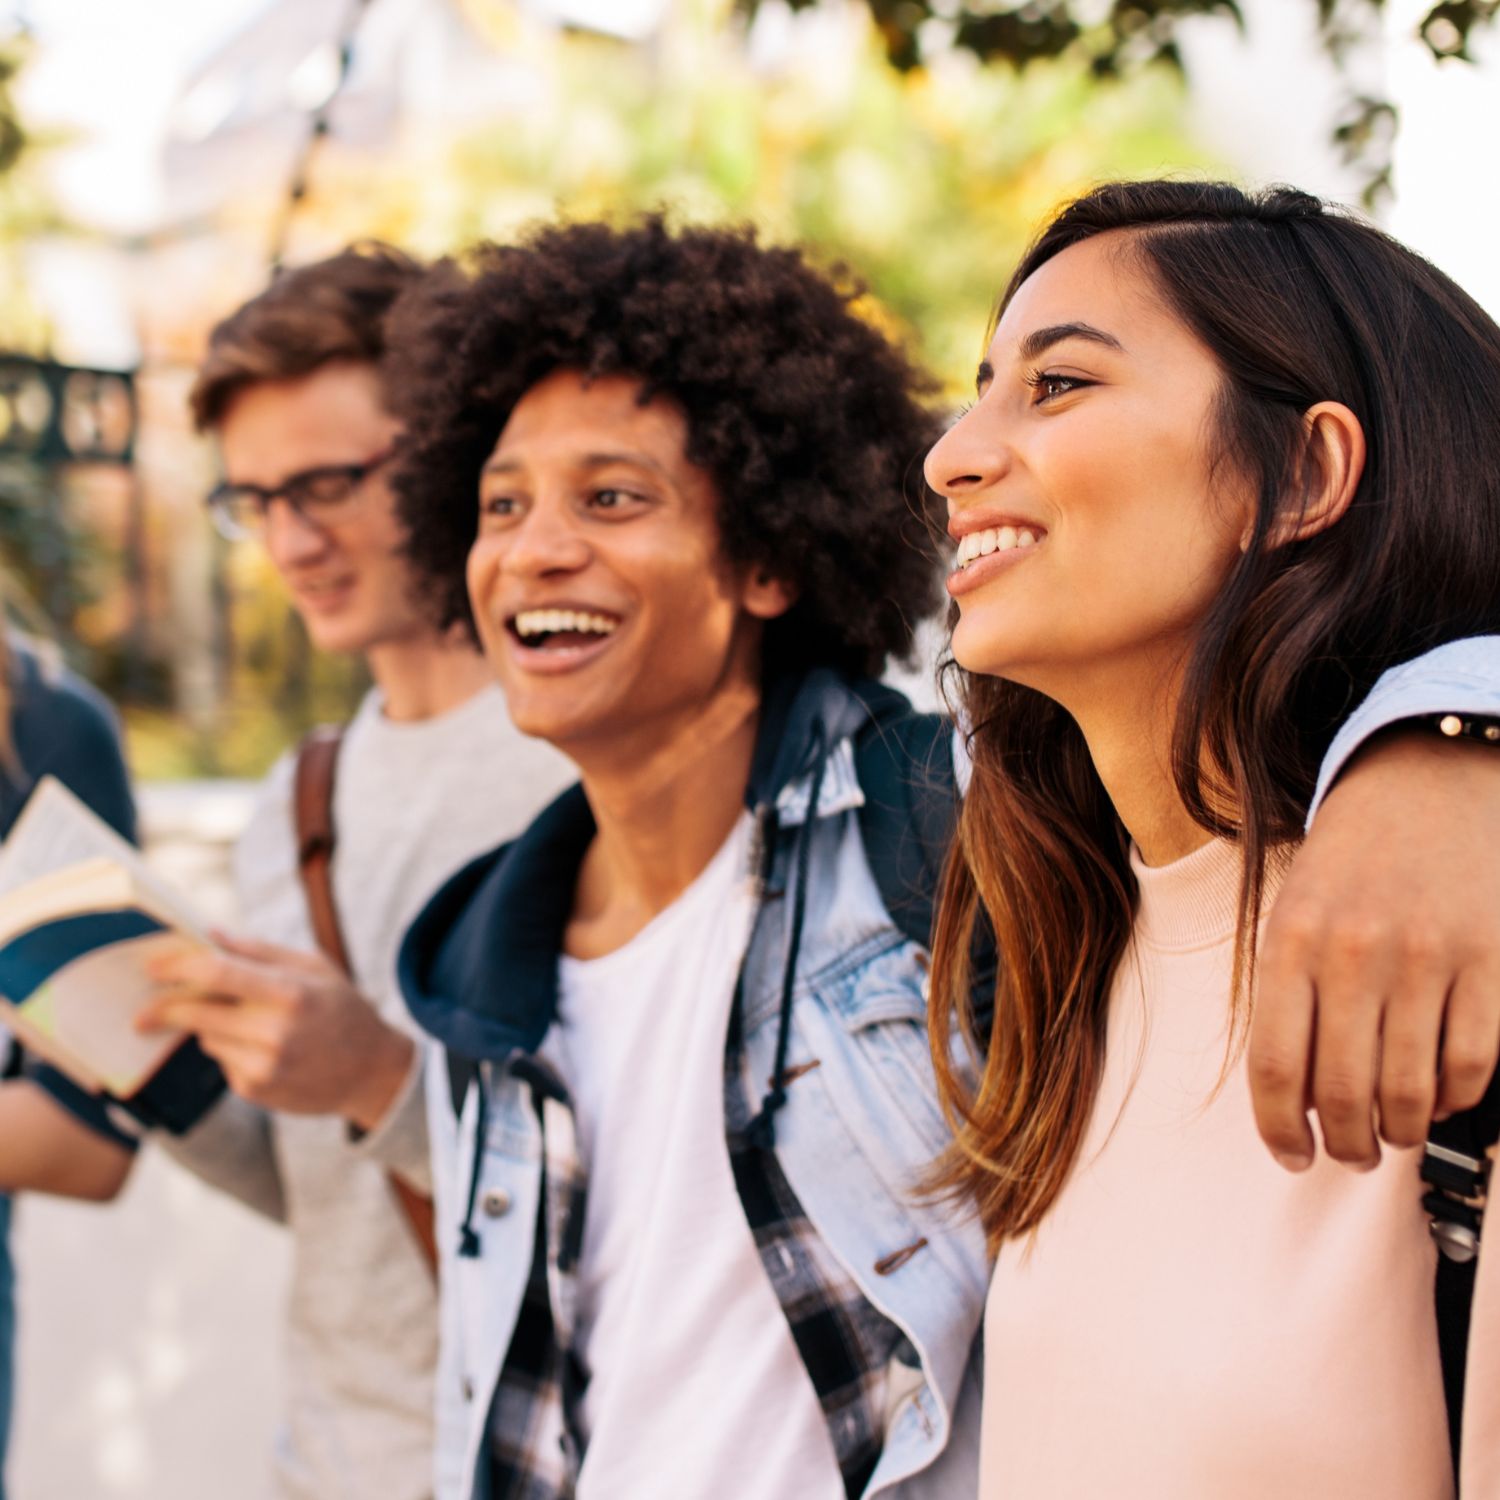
{"x": 79, "y": 915}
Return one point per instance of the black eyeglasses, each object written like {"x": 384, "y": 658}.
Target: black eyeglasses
{"x": 322, "y": 497}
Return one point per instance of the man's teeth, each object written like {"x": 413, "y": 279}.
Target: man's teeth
{"x": 553, "y": 621}
{"x": 996, "y": 539}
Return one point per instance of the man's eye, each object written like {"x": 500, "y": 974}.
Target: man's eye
{"x": 497, "y": 505}
{"x": 610, "y": 499}
{"x": 320, "y": 489}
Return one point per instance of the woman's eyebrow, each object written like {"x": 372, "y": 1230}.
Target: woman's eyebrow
{"x": 1036, "y": 344}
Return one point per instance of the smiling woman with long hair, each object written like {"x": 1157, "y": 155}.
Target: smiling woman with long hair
{"x": 1233, "y": 457}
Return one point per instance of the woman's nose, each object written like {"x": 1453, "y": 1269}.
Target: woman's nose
{"x": 969, "y": 457}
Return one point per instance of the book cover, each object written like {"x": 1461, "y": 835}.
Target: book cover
{"x": 80, "y": 914}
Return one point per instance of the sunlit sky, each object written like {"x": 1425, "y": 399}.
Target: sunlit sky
{"x": 110, "y": 69}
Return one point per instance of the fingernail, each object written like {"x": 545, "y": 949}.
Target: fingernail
{"x": 1293, "y": 1161}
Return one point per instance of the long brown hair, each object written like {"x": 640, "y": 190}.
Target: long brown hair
{"x": 1299, "y": 303}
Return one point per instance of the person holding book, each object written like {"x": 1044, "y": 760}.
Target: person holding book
{"x": 323, "y": 1127}
{"x": 51, "y": 724}
{"x": 689, "y": 1095}
{"x": 1249, "y": 443}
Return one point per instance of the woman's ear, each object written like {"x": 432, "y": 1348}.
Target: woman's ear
{"x": 766, "y": 597}
{"x": 1333, "y": 461}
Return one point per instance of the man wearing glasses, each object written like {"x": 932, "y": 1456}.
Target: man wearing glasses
{"x": 324, "y": 1125}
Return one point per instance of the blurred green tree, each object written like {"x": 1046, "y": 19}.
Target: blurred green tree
{"x": 925, "y": 183}
{"x": 12, "y": 135}
{"x": 52, "y": 569}
{"x": 1114, "y": 37}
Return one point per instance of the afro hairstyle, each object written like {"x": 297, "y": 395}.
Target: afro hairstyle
{"x": 811, "y": 424}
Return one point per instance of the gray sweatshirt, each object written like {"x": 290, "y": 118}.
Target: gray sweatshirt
{"x": 413, "y": 802}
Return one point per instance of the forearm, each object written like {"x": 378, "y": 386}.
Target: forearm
{"x": 45, "y": 1149}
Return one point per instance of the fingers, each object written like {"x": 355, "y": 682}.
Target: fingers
{"x": 1282, "y": 1030}
{"x": 1279, "y": 1064}
{"x": 1471, "y": 1039}
{"x": 209, "y": 971}
{"x": 249, "y": 1070}
{"x": 212, "y": 1020}
{"x": 1352, "y": 978}
{"x": 1410, "y": 1033}
{"x": 270, "y": 953}
{"x": 1346, "y": 1054}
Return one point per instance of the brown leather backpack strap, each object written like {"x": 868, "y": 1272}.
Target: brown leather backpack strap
{"x": 317, "y": 767}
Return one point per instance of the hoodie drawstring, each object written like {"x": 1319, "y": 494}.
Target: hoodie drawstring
{"x": 468, "y": 1237}
{"x": 761, "y": 1131}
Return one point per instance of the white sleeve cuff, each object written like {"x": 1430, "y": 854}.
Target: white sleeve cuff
{"x": 1462, "y": 677}
{"x": 399, "y": 1141}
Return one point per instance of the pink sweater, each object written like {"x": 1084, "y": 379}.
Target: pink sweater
{"x": 1191, "y": 1322}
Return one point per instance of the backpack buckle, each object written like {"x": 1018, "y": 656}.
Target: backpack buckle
{"x": 1460, "y": 1184}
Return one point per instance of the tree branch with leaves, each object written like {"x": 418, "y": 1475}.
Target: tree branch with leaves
{"x": 1123, "y": 36}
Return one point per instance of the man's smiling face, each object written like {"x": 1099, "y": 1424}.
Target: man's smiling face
{"x": 349, "y": 581}
{"x": 598, "y": 582}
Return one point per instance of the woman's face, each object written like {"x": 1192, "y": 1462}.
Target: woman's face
{"x": 1092, "y": 531}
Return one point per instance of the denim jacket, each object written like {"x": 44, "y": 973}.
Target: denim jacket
{"x": 884, "y": 1295}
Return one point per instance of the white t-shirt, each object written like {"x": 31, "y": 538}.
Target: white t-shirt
{"x": 696, "y": 1387}
{"x": 412, "y": 803}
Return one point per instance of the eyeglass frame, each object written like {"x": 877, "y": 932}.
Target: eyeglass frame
{"x": 218, "y": 498}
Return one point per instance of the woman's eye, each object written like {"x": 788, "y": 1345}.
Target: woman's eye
{"x": 1047, "y": 384}
{"x": 497, "y": 505}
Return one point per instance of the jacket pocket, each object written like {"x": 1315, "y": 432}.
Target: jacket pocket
{"x": 882, "y": 1008}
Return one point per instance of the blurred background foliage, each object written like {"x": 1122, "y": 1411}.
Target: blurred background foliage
{"x": 1116, "y": 37}
{"x": 924, "y": 183}
{"x": 916, "y": 144}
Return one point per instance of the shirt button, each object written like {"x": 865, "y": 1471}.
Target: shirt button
{"x": 468, "y": 1389}
{"x": 496, "y": 1203}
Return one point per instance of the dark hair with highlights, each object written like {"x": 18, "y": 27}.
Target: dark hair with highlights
{"x": 310, "y": 316}
{"x": 1298, "y": 303}
{"x": 808, "y": 420}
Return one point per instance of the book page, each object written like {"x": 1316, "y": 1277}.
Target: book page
{"x": 56, "y": 831}
{"x": 80, "y": 913}
{"x": 89, "y": 1006}
{"x": 42, "y": 1044}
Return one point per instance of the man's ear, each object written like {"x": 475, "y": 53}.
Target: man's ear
{"x": 1333, "y": 462}
{"x": 766, "y": 597}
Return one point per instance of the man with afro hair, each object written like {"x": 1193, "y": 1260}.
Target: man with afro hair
{"x": 688, "y": 1090}
{"x": 671, "y": 483}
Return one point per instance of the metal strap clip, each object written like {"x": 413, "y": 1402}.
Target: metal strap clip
{"x": 1460, "y": 1186}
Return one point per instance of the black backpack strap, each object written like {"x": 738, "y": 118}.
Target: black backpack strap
{"x": 905, "y": 770}
{"x": 1456, "y": 1168}
{"x": 905, "y": 767}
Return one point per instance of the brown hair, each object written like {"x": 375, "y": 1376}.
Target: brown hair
{"x": 308, "y": 317}
{"x": 1298, "y": 303}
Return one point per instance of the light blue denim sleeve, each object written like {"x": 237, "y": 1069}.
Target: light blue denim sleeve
{"x": 1462, "y": 677}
